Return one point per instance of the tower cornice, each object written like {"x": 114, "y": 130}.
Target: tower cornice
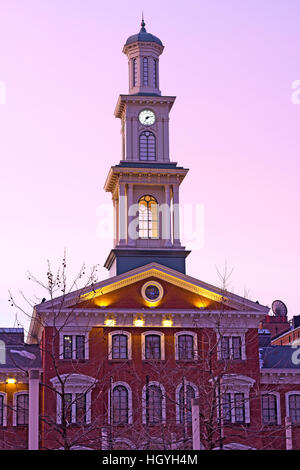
{"x": 141, "y": 99}
{"x": 136, "y": 173}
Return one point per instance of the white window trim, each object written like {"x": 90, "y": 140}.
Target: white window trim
{"x": 230, "y": 335}
{"x": 287, "y": 396}
{"x": 119, "y": 332}
{"x": 110, "y": 391}
{"x": 163, "y": 410}
{"x": 124, "y": 440}
{"x": 235, "y": 383}
{"x": 195, "y": 344}
{"x": 2, "y": 352}
{"x": 22, "y": 392}
{"x": 278, "y": 408}
{"x": 82, "y": 331}
{"x": 4, "y": 395}
{"x": 162, "y": 344}
{"x": 178, "y": 388}
{"x": 74, "y": 383}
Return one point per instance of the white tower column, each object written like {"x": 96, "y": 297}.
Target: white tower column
{"x": 122, "y": 214}
{"x": 33, "y": 419}
{"x": 176, "y": 221}
{"x": 131, "y": 241}
{"x": 166, "y": 217}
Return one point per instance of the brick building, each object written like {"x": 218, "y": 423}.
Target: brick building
{"x": 151, "y": 358}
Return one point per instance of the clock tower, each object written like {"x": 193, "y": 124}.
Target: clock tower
{"x": 145, "y": 183}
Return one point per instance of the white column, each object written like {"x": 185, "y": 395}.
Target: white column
{"x": 160, "y": 149}
{"x": 166, "y": 154}
{"x": 122, "y": 214}
{"x": 176, "y": 221}
{"x": 288, "y": 433}
{"x": 166, "y": 218}
{"x": 196, "y": 424}
{"x": 131, "y": 241}
{"x": 33, "y": 419}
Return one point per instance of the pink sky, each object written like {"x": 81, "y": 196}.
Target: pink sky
{"x": 231, "y": 65}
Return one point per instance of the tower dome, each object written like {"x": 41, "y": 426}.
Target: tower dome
{"x": 143, "y": 36}
{"x": 143, "y": 50}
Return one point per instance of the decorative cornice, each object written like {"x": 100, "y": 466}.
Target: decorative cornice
{"x": 135, "y": 174}
{"x": 143, "y": 100}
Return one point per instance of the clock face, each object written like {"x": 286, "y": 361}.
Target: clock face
{"x": 147, "y": 117}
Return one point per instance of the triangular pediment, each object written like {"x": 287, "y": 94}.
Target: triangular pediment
{"x": 180, "y": 292}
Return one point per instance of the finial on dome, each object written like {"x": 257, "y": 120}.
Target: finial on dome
{"x": 143, "y": 24}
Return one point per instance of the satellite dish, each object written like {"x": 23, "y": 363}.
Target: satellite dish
{"x": 279, "y": 308}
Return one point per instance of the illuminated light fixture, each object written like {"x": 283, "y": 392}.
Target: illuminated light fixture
{"x": 11, "y": 380}
{"x": 139, "y": 321}
{"x": 167, "y": 321}
{"x": 110, "y": 321}
{"x": 101, "y": 303}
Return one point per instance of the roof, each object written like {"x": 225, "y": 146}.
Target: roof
{"x": 279, "y": 357}
{"x": 18, "y": 355}
{"x": 143, "y": 36}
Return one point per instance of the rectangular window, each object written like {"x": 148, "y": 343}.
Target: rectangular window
{"x": 120, "y": 405}
{"x": 1, "y": 410}
{"x": 80, "y": 408}
{"x": 152, "y": 347}
{"x": 226, "y": 407}
{"x": 185, "y": 347}
{"x": 239, "y": 407}
{"x": 269, "y": 409}
{"x": 119, "y": 347}
{"x": 67, "y": 352}
{"x": 80, "y": 347}
{"x": 67, "y": 407}
{"x": 154, "y": 404}
{"x": 22, "y": 409}
{"x": 225, "y": 348}
{"x": 236, "y": 347}
{"x": 294, "y": 406}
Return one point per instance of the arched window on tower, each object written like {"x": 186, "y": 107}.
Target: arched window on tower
{"x": 145, "y": 71}
{"x": 147, "y": 146}
{"x": 148, "y": 217}
{"x": 134, "y": 72}
{"x": 155, "y": 73}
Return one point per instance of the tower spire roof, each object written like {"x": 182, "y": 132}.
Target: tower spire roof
{"x": 143, "y": 35}
{"x": 143, "y": 24}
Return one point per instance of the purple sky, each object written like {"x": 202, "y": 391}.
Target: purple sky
{"x": 231, "y": 65}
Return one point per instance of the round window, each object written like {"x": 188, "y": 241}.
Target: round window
{"x": 152, "y": 291}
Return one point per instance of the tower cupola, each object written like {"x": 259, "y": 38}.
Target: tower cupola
{"x": 143, "y": 50}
